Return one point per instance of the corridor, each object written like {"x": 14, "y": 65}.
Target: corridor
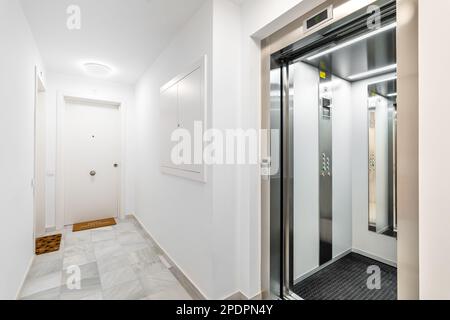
{"x": 240, "y": 150}
{"x": 116, "y": 263}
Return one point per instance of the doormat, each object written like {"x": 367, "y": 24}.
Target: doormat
{"x": 93, "y": 225}
{"x": 48, "y": 244}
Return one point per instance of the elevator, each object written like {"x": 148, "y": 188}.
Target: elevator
{"x": 333, "y": 201}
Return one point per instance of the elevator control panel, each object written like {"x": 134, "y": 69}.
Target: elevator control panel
{"x": 326, "y": 101}
{"x": 326, "y": 113}
{"x": 326, "y": 108}
{"x": 325, "y": 124}
{"x": 326, "y": 165}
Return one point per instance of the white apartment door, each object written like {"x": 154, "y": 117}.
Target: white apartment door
{"x": 92, "y": 151}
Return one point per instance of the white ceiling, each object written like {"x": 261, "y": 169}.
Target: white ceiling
{"x": 127, "y": 35}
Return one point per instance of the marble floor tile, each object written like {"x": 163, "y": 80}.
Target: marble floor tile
{"x": 130, "y": 237}
{"x": 165, "y": 275}
{"x": 174, "y": 293}
{"x": 76, "y": 238}
{"x": 35, "y": 285}
{"x": 51, "y": 294}
{"x": 88, "y": 288}
{"x": 153, "y": 286}
{"x": 87, "y": 271}
{"x": 131, "y": 247}
{"x": 125, "y": 226}
{"x": 103, "y": 235}
{"x": 58, "y": 255}
{"x": 94, "y": 297}
{"x": 108, "y": 248}
{"x": 103, "y": 229}
{"x": 146, "y": 255}
{"x": 120, "y": 262}
{"x": 108, "y": 264}
{"x": 79, "y": 260}
{"x": 43, "y": 268}
{"x": 127, "y": 291}
{"x": 78, "y": 249}
{"x": 117, "y": 277}
{"x": 143, "y": 269}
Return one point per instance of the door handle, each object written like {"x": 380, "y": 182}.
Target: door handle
{"x": 92, "y": 173}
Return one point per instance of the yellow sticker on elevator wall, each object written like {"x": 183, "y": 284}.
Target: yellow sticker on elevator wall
{"x": 323, "y": 75}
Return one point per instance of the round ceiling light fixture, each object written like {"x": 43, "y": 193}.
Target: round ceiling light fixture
{"x": 97, "y": 69}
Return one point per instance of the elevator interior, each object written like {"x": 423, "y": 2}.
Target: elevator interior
{"x": 333, "y": 202}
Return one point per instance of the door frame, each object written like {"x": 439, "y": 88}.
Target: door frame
{"x": 40, "y": 88}
{"x": 62, "y": 99}
{"x": 407, "y": 135}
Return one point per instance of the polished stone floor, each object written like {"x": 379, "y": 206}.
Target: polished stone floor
{"x": 115, "y": 263}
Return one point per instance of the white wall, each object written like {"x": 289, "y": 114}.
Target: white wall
{"x": 306, "y": 169}
{"x": 434, "y": 109}
{"x": 88, "y": 87}
{"x": 225, "y": 114}
{"x": 18, "y": 57}
{"x": 195, "y": 223}
{"x": 365, "y": 241}
{"x": 177, "y": 212}
{"x": 342, "y": 166}
{"x": 260, "y": 18}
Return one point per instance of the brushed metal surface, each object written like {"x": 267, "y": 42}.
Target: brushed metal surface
{"x": 326, "y": 169}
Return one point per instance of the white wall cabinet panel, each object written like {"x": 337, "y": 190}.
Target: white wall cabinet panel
{"x": 183, "y": 106}
{"x": 169, "y": 122}
{"x": 190, "y": 102}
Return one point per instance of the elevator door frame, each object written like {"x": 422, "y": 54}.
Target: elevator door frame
{"x": 286, "y": 208}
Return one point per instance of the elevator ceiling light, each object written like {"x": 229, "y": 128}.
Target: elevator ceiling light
{"x": 373, "y": 72}
{"x": 97, "y": 69}
{"x": 353, "y": 41}
{"x": 383, "y": 81}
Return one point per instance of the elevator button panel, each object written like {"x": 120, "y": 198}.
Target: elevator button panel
{"x": 326, "y": 165}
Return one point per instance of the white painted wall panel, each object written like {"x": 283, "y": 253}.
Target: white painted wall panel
{"x": 177, "y": 212}
{"x": 306, "y": 169}
{"x": 364, "y": 240}
{"x": 434, "y": 112}
{"x": 342, "y": 166}
{"x": 18, "y": 58}
{"x": 169, "y": 123}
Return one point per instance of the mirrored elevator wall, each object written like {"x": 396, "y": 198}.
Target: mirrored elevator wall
{"x": 365, "y": 241}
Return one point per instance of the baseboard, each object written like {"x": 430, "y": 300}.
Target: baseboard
{"x": 185, "y": 281}
{"x": 315, "y": 270}
{"x": 50, "y": 229}
{"x": 19, "y": 291}
{"x": 382, "y": 231}
{"x": 239, "y": 296}
{"x": 374, "y": 257}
